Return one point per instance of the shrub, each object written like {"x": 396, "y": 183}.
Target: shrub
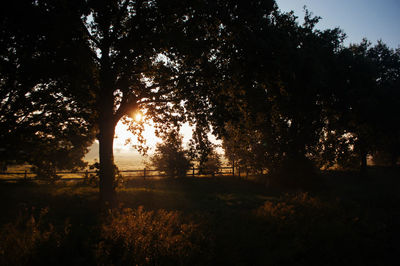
{"x": 301, "y": 208}
{"x": 170, "y": 157}
{"x": 211, "y": 165}
{"x": 93, "y": 179}
{"x": 139, "y": 237}
{"x": 29, "y": 239}
{"x": 45, "y": 171}
{"x": 302, "y": 226}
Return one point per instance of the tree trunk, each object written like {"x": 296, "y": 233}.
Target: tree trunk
{"x": 108, "y": 195}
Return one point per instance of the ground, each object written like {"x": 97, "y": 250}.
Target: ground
{"x": 348, "y": 219}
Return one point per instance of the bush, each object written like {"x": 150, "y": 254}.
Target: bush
{"x": 29, "y": 239}
{"x": 45, "y": 171}
{"x": 300, "y": 208}
{"x": 170, "y": 158}
{"x": 139, "y": 237}
{"x": 93, "y": 179}
{"x": 301, "y": 226}
{"x": 211, "y": 165}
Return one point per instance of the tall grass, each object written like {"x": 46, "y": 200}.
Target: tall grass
{"x": 308, "y": 230}
{"x": 200, "y": 222}
{"x": 140, "y": 237}
{"x": 30, "y": 238}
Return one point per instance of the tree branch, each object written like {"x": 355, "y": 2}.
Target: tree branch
{"x": 127, "y": 103}
{"x": 90, "y": 36}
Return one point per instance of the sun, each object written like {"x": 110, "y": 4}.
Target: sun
{"x": 138, "y": 117}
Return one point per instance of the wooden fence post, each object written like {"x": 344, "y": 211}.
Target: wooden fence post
{"x": 193, "y": 171}
{"x": 233, "y": 169}
{"x": 25, "y": 175}
{"x": 239, "y": 171}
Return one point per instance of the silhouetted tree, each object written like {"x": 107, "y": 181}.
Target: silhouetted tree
{"x": 387, "y": 65}
{"x": 212, "y": 165}
{"x": 154, "y": 55}
{"x": 41, "y": 121}
{"x": 115, "y": 46}
{"x": 170, "y": 157}
{"x": 366, "y": 101}
{"x": 361, "y": 92}
{"x": 280, "y": 82}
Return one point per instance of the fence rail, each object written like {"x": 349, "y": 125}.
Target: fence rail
{"x": 129, "y": 174}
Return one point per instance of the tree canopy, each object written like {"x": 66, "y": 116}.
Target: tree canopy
{"x": 275, "y": 91}
{"x": 41, "y": 121}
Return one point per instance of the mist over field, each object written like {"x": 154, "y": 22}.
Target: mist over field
{"x": 125, "y": 160}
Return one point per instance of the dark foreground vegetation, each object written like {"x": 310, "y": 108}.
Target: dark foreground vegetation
{"x": 349, "y": 220}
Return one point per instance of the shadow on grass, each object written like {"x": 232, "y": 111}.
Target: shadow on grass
{"x": 193, "y": 194}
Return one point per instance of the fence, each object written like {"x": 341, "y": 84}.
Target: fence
{"x": 128, "y": 174}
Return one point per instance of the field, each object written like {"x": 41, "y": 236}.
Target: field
{"x": 349, "y": 220}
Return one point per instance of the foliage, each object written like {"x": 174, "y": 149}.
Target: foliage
{"x": 29, "y": 238}
{"x": 294, "y": 208}
{"x": 300, "y": 93}
{"x": 170, "y": 157}
{"x": 118, "y": 57}
{"x": 244, "y": 149}
{"x": 278, "y": 94}
{"x": 212, "y": 164}
{"x": 93, "y": 178}
{"x": 316, "y": 227}
{"x": 240, "y": 69}
{"x": 203, "y": 152}
{"x": 140, "y": 237}
{"x": 366, "y": 97}
{"x": 42, "y": 122}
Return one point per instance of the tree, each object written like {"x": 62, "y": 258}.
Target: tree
{"x": 360, "y": 97}
{"x": 154, "y": 55}
{"x": 41, "y": 122}
{"x": 280, "y": 82}
{"x": 170, "y": 157}
{"x": 387, "y": 64}
{"x": 366, "y": 100}
{"x": 245, "y": 148}
{"x": 122, "y": 51}
{"x": 212, "y": 165}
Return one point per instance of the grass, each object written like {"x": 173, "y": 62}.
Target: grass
{"x": 350, "y": 219}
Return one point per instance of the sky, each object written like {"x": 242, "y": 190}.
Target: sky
{"x": 372, "y": 19}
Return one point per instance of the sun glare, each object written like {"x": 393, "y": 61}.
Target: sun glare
{"x": 138, "y": 117}
{"x": 122, "y": 134}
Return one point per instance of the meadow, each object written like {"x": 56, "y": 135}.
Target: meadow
{"x": 347, "y": 219}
